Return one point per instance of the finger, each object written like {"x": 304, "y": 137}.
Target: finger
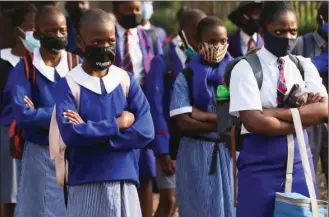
{"x": 26, "y": 99}
{"x": 76, "y": 115}
{"x": 28, "y": 102}
{"x": 71, "y": 118}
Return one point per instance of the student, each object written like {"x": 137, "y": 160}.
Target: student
{"x": 103, "y": 141}
{"x": 39, "y": 195}
{"x": 315, "y": 45}
{"x": 203, "y": 168}
{"x": 245, "y": 16}
{"x": 266, "y": 124}
{"x": 147, "y": 12}
{"x": 158, "y": 89}
{"x": 22, "y": 27}
{"x": 75, "y": 9}
{"x": 133, "y": 54}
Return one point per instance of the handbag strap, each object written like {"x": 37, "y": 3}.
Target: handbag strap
{"x": 305, "y": 161}
{"x": 290, "y": 163}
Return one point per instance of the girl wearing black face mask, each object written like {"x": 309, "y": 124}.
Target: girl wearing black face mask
{"x": 266, "y": 124}
{"x": 106, "y": 130}
{"x": 203, "y": 166}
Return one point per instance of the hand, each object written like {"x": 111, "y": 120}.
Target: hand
{"x": 167, "y": 165}
{"x": 125, "y": 120}
{"x": 29, "y": 102}
{"x": 313, "y": 98}
{"x": 73, "y": 117}
{"x": 197, "y": 114}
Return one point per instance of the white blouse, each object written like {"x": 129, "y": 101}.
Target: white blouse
{"x": 244, "y": 91}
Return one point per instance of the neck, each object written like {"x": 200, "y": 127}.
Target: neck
{"x": 19, "y": 50}
{"x": 92, "y": 72}
{"x": 144, "y": 22}
{"x": 51, "y": 59}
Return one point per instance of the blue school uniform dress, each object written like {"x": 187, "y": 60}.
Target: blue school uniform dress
{"x": 103, "y": 160}
{"x": 141, "y": 53}
{"x": 241, "y": 42}
{"x": 38, "y": 195}
{"x": 158, "y": 90}
{"x": 198, "y": 192}
{"x": 10, "y": 167}
{"x": 262, "y": 161}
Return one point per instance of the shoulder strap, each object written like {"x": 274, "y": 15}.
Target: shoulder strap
{"x": 75, "y": 89}
{"x": 254, "y": 62}
{"x": 73, "y": 60}
{"x": 298, "y": 64}
{"x": 29, "y": 68}
{"x": 188, "y": 73}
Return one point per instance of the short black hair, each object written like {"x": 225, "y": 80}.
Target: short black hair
{"x": 20, "y": 11}
{"x": 207, "y": 23}
{"x": 322, "y": 11}
{"x": 46, "y": 11}
{"x": 189, "y": 15}
{"x": 93, "y": 16}
{"x": 272, "y": 10}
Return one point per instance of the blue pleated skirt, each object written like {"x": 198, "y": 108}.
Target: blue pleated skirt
{"x": 262, "y": 168}
{"x": 39, "y": 195}
{"x": 9, "y": 170}
{"x": 200, "y": 194}
{"x": 108, "y": 199}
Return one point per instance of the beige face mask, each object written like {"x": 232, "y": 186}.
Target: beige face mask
{"x": 213, "y": 53}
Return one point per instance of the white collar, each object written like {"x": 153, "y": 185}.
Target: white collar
{"x": 269, "y": 57}
{"x": 122, "y": 31}
{"x": 111, "y": 80}
{"x": 177, "y": 41}
{"x": 62, "y": 67}
{"x": 147, "y": 26}
{"x": 181, "y": 55}
{"x": 7, "y": 55}
{"x": 245, "y": 37}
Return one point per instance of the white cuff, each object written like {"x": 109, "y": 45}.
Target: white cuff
{"x": 179, "y": 111}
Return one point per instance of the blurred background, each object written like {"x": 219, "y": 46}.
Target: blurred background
{"x": 165, "y": 13}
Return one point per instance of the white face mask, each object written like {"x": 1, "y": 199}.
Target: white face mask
{"x": 30, "y": 43}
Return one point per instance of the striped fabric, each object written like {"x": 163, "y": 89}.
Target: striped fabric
{"x": 126, "y": 61}
{"x": 111, "y": 199}
{"x": 38, "y": 193}
{"x": 10, "y": 169}
{"x": 281, "y": 87}
{"x": 200, "y": 194}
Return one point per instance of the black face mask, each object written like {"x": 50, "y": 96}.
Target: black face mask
{"x": 130, "y": 21}
{"x": 100, "y": 58}
{"x": 278, "y": 46}
{"x": 251, "y": 27}
{"x": 53, "y": 44}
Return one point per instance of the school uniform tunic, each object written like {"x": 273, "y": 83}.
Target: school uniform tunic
{"x": 240, "y": 40}
{"x": 103, "y": 160}
{"x": 262, "y": 161}
{"x": 141, "y": 53}
{"x": 10, "y": 167}
{"x": 158, "y": 90}
{"x": 38, "y": 195}
{"x": 199, "y": 193}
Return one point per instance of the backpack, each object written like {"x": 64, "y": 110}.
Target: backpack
{"x": 175, "y": 134}
{"x": 15, "y": 133}
{"x": 57, "y": 148}
{"x": 229, "y": 127}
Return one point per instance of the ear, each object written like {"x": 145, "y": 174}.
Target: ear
{"x": 18, "y": 32}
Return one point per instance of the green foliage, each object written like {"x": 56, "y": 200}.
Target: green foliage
{"x": 165, "y": 15}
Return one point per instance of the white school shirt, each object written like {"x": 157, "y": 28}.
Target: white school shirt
{"x": 62, "y": 67}
{"x": 244, "y": 40}
{"x": 177, "y": 41}
{"x": 244, "y": 91}
{"x": 135, "y": 51}
{"x": 7, "y": 55}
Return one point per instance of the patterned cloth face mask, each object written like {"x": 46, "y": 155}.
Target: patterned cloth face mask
{"x": 213, "y": 53}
